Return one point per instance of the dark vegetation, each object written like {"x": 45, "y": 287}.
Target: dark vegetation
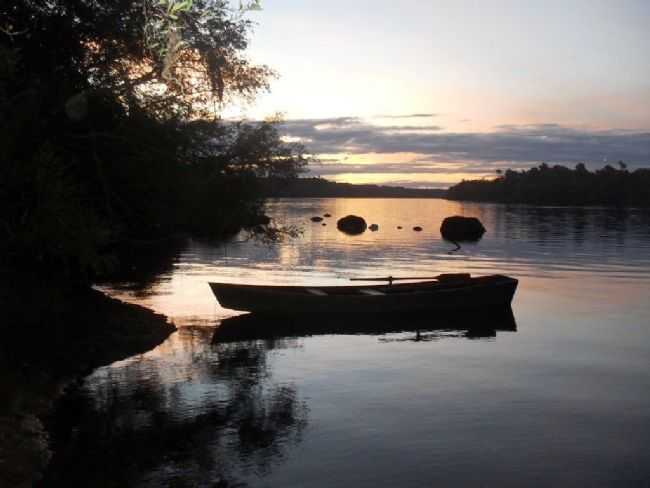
{"x": 559, "y": 185}
{"x": 110, "y": 140}
{"x": 109, "y": 129}
{"x": 50, "y": 335}
{"x": 321, "y": 188}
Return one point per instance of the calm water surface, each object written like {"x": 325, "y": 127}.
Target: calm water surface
{"x": 563, "y": 400}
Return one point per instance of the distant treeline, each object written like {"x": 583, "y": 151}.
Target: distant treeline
{"x": 559, "y": 185}
{"x": 321, "y": 188}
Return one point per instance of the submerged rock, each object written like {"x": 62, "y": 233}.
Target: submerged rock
{"x": 459, "y": 229}
{"x": 317, "y": 219}
{"x": 352, "y": 225}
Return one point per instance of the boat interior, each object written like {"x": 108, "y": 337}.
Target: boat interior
{"x": 444, "y": 281}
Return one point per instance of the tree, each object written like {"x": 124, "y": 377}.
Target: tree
{"x": 110, "y": 128}
{"x": 560, "y": 185}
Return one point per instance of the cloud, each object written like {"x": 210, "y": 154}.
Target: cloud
{"x": 507, "y": 146}
{"x": 409, "y": 116}
{"x": 332, "y": 168}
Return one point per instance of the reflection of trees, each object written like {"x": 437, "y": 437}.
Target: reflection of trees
{"x": 551, "y": 224}
{"x": 207, "y": 421}
{"x": 143, "y": 264}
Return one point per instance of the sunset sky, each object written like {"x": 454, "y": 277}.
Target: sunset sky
{"x": 427, "y": 93}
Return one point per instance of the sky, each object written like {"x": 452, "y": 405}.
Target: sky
{"x": 425, "y": 94}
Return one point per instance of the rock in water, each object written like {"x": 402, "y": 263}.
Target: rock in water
{"x": 317, "y": 219}
{"x": 417, "y": 228}
{"x": 459, "y": 229}
{"x": 352, "y": 225}
{"x": 327, "y": 215}
{"x": 374, "y": 227}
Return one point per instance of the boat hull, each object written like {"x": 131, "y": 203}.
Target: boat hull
{"x": 417, "y": 298}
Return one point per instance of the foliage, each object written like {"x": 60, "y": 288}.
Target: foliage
{"x": 105, "y": 139}
{"x": 559, "y": 185}
{"x": 194, "y": 48}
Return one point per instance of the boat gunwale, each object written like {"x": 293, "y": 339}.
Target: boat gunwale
{"x": 395, "y": 288}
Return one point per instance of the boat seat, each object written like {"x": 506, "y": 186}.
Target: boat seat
{"x": 316, "y": 291}
{"x": 372, "y": 292}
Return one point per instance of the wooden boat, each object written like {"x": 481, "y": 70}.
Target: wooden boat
{"x": 444, "y": 293}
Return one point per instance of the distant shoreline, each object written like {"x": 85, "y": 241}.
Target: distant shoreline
{"x": 321, "y": 188}
{"x": 556, "y": 186}
{"x": 561, "y": 186}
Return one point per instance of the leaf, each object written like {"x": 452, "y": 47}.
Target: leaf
{"x": 180, "y": 6}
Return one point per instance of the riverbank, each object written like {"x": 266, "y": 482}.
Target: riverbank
{"x": 52, "y": 336}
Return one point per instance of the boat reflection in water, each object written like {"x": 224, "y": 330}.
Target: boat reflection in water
{"x": 209, "y": 408}
{"x": 479, "y": 323}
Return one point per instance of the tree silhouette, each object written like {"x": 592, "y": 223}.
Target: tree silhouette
{"x": 559, "y": 185}
{"x": 110, "y": 128}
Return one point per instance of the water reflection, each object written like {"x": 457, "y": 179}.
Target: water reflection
{"x": 204, "y": 408}
{"x": 143, "y": 264}
{"x": 521, "y": 241}
{"x": 203, "y": 416}
{"x": 235, "y": 400}
{"x": 472, "y": 325}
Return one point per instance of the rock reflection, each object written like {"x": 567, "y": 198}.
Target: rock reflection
{"x": 484, "y": 323}
{"x": 211, "y": 418}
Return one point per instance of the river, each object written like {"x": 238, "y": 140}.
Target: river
{"x": 561, "y": 396}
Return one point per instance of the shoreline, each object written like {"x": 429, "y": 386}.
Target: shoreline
{"x": 53, "y": 337}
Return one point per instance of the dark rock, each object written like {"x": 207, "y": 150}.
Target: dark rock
{"x": 417, "y": 228}
{"x": 352, "y": 225}
{"x": 317, "y": 219}
{"x": 374, "y": 227}
{"x": 459, "y": 229}
{"x": 324, "y": 224}
{"x": 327, "y": 215}
{"x": 399, "y": 227}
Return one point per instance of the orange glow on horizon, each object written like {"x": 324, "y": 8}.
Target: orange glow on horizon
{"x": 421, "y": 179}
